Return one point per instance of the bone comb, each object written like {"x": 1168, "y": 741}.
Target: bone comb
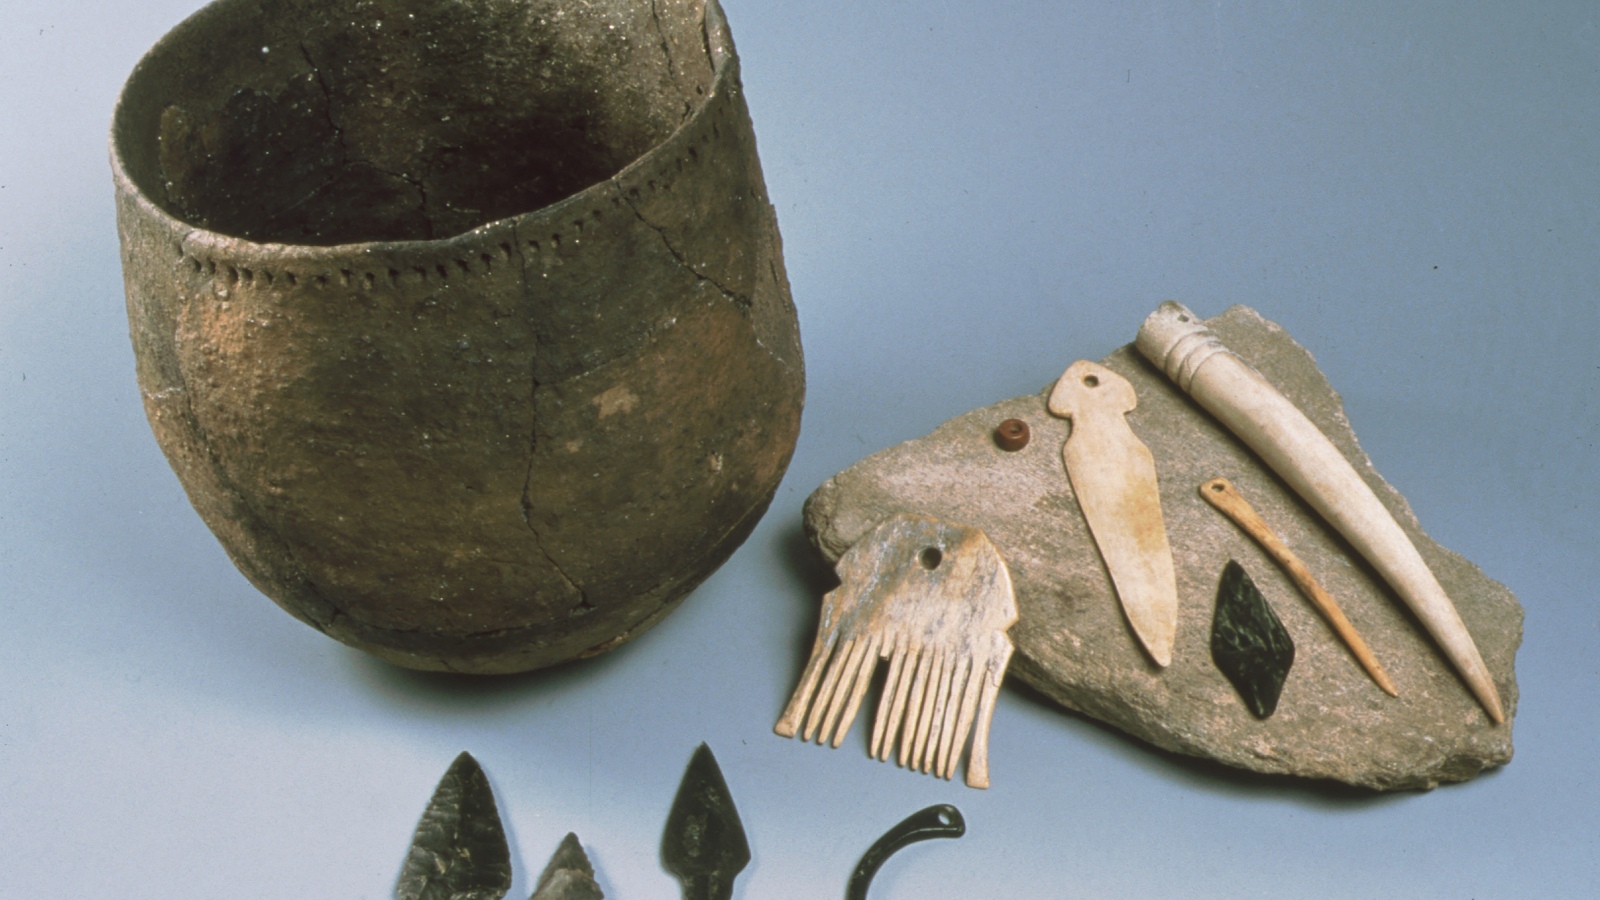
{"x": 935, "y": 600}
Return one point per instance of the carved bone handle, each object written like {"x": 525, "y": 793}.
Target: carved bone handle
{"x": 1181, "y": 346}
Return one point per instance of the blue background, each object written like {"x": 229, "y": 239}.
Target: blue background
{"x": 971, "y": 197}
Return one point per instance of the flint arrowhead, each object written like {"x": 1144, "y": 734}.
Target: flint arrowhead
{"x": 568, "y": 875}
{"x": 704, "y": 843}
{"x": 459, "y": 850}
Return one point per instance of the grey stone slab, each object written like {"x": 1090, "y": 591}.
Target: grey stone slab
{"x": 1074, "y": 645}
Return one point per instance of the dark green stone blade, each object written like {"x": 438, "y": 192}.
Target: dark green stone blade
{"x": 459, "y": 851}
{"x": 704, "y": 844}
{"x": 1248, "y": 643}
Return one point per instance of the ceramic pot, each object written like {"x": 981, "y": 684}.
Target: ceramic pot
{"x": 463, "y": 324}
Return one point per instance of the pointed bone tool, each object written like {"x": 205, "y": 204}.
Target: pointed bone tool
{"x": 704, "y": 843}
{"x": 934, "y": 599}
{"x": 1221, "y": 493}
{"x": 1114, "y": 477}
{"x": 1181, "y": 346}
{"x": 459, "y": 850}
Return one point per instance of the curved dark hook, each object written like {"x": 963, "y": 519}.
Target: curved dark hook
{"x": 938, "y": 821}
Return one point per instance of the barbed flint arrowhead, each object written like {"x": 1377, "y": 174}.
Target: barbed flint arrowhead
{"x": 704, "y": 844}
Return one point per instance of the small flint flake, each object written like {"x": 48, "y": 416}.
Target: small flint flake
{"x": 568, "y": 876}
{"x": 1248, "y": 643}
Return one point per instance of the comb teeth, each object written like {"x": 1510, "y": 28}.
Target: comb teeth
{"x": 934, "y": 600}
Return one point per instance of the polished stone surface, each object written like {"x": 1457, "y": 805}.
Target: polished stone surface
{"x": 703, "y": 843}
{"x": 1248, "y": 642}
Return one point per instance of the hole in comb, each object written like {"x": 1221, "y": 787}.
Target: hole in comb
{"x": 930, "y": 558}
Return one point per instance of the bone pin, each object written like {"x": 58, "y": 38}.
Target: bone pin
{"x": 1220, "y": 493}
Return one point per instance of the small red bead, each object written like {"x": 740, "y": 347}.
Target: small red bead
{"x": 1012, "y": 435}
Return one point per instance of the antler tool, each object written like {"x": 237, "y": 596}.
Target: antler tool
{"x": 1237, "y": 395}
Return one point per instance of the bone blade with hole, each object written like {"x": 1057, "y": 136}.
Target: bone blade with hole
{"x": 1114, "y": 477}
{"x": 935, "y": 599}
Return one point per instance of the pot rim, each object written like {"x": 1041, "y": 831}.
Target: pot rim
{"x": 725, "y": 71}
